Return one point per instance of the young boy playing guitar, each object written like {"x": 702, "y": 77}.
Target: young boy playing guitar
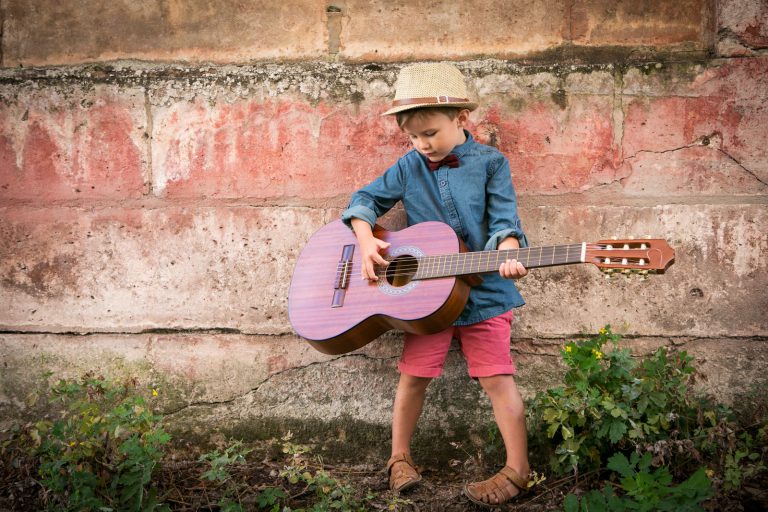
{"x": 451, "y": 178}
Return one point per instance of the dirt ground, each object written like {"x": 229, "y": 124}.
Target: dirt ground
{"x": 180, "y": 486}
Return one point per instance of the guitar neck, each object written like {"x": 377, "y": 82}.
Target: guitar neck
{"x": 483, "y": 262}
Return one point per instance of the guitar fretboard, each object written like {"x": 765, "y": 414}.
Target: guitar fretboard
{"x": 445, "y": 265}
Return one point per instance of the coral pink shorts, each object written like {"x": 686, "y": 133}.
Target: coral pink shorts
{"x": 485, "y": 346}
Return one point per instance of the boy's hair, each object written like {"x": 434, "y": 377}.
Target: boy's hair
{"x": 417, "y": 113}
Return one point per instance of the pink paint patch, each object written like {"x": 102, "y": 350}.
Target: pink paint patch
{"x": 274, "y": 149}
{"x": 75, "y": 153}
{"x": 554, "y": 151}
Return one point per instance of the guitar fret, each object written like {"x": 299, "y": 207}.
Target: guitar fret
{"x": 479, "y": 262}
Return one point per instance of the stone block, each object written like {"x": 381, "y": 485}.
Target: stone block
{"x": 131, "y": 269}
{"x": 642, "y": 23}
{"x": 405, "y": 31}
{"x": 38, "y": 33}
{"x": 263, "y": 149}
{"x": 72, "y": 142}
{"x": 219, "y": 267}
{"x": 742, "y": 27}
{"x": 709, "y": 126}
{"x": 714, "y": 288}
{"x": 214, "y": 386}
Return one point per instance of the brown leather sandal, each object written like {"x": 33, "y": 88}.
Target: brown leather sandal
{"x": 495, "y": 489}
{"x": 402, "y": 472}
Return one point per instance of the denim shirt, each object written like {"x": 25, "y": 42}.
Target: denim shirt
{"x": 476, "y": 199}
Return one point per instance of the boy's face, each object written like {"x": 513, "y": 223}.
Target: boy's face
{"x": 435, "y": 135}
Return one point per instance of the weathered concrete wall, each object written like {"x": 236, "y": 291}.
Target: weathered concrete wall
{"x": 76, "y": 31}
{"x": 151, "y": 212}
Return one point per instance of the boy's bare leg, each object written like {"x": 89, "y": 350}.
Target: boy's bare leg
{"x": 509, "y": 412}
{"x": 409, "y": 401}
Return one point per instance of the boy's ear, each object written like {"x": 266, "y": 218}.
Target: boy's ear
{"x": 463, "y": 117}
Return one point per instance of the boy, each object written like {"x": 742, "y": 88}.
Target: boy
{"x": 449, "y": 177}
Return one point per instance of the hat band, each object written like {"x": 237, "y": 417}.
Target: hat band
{"x": 429, "y": 100}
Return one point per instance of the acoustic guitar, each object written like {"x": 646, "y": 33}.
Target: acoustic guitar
{"x": 426, "y": 284}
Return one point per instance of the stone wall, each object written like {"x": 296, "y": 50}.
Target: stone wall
{"x": 163, "y": 163}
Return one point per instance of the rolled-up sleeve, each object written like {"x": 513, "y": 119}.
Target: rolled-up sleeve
{"x": 377, "y": 198}
{"x": 503, "y": 220}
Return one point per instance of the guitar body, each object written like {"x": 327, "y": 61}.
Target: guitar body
{"x": 337, "y": 311}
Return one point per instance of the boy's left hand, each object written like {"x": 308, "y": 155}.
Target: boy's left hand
{"x": 512, "y": 269}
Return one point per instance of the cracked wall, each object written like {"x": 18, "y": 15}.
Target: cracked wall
{"x": 151, "y": 211}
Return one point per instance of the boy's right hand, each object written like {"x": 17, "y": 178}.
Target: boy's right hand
{"x": 370, "y": 249}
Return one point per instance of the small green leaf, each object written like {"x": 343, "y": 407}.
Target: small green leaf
{"x": 571, "y": 503}
{"x": 617, "y": 431}
{"x": 620, "y": 464}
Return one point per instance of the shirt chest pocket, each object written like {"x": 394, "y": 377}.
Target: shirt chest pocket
{"x": 468, "y": 193}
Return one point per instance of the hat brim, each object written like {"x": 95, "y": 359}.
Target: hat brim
{"x": 402, "y": 108}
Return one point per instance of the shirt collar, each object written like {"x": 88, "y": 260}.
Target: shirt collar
{"x": 463, "y": 148}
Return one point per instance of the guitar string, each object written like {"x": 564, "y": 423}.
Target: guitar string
{"x": 475, "y": 257}
{"x": 410, "y": 272}
{"x": 480, "y": 254}
{"x": 556, "y": 258}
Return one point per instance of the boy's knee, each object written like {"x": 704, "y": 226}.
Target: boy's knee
{"x": 498, "y": 384}
{"x": 413, "y": 383}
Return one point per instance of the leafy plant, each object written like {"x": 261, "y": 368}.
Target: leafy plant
{"x": 219, "y": 463}
{"x": 330, "y": 494}
{"x": 610, "y": 402}
{"x": 102, "y": 452}
{"x": 643, "y": 489}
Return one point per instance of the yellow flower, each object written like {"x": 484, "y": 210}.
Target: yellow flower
{"x": 598, "y": 354}
{"x": 72, "y": 443}
{"x": 710, "y": 473}
{"x": 603, "y": 331}
{"x": 154, "y": 392}
{"x": 568, "y": 348}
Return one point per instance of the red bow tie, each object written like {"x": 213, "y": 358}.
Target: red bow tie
{"x": 451, "y": 161}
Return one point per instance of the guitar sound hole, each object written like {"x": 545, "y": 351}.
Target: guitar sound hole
{"x": 401, "y": 270}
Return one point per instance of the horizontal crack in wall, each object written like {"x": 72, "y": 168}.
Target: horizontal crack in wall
{"x": 672, "y": 341}
{"x": 703, "y": 141}
{"x": 269, "y": 378}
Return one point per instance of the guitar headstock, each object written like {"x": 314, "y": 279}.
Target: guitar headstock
{"x": 631, "y": 256}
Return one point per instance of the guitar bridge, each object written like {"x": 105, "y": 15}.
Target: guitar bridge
{"x": 342, "y": 276}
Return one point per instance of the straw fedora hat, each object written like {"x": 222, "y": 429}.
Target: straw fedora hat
{"x": 430, "y": 85}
